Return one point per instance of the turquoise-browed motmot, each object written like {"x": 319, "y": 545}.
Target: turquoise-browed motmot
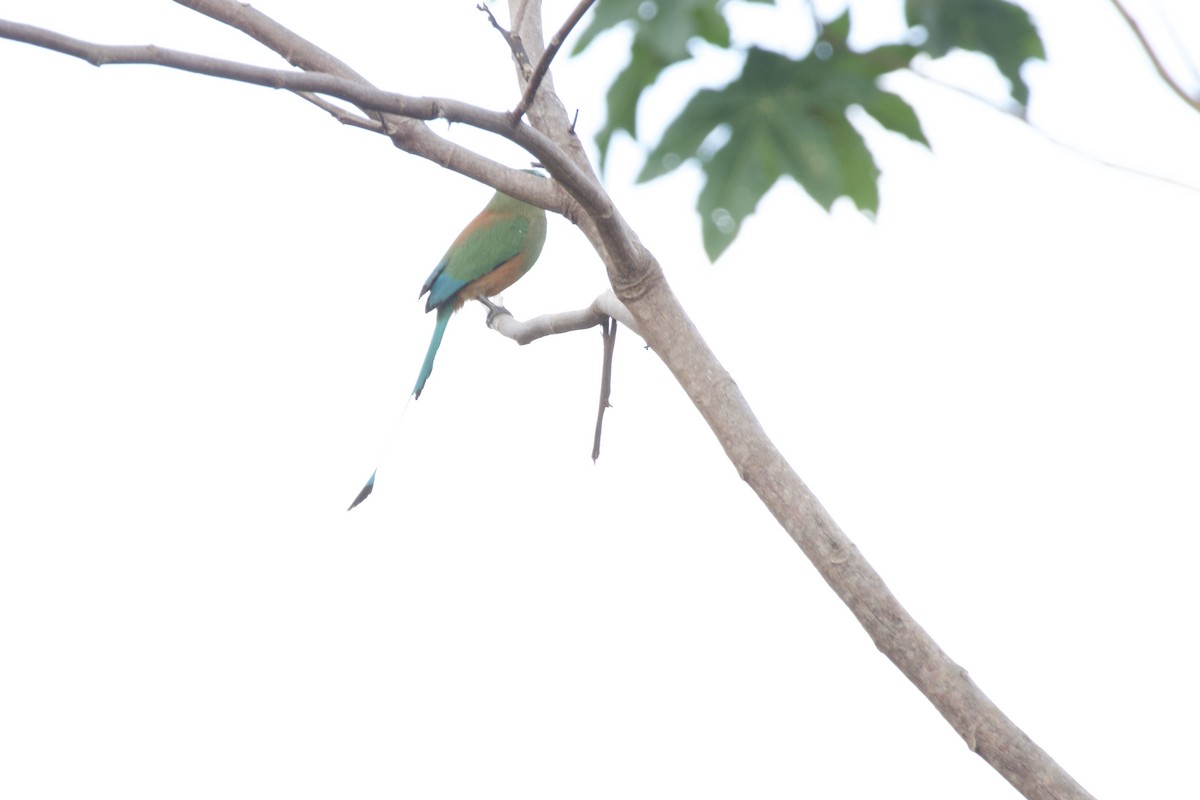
{"x": 491, "y": 254}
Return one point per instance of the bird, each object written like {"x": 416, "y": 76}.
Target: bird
{"x": 492, "y": 253}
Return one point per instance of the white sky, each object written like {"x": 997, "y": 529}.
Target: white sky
{"x": 208, "y": 321}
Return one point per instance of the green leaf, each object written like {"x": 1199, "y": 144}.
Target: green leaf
{"x": 605, "y": 14}
{"x": 998, "y": 29}
{"x": 786, "y": 117}
{"x": 837, "y": 31}
{"x": 734, "y": 183}
{"x": 627, "y": 87}
{"x": 859, "y": 173}
{"x": 663, "y": 31}
{"x": 704, "y": 113}
{"x": 895, "y": 114}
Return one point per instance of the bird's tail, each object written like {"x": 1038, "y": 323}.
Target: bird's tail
{"x": 443, "y": 317}
{"x": 369, "y": 486}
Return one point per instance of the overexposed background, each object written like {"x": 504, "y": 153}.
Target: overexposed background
{"x": 209, "y": 321}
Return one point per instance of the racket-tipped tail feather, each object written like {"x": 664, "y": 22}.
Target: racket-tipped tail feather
{"x": 365, "y": 492}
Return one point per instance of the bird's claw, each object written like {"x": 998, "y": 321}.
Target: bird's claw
{"x": 494, "y": 310}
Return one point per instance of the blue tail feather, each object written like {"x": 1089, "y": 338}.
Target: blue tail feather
{"x": 443, "y": 317}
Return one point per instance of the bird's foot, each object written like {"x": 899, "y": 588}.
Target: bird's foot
{"x": 494, "y": 310}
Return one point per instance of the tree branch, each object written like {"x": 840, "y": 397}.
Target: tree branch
{"x": 609, "y": 337}
{"x": 293, "y": 48}
{"x": 595, "y": 212}
{"x": 501, "y": 319}
{"x": 552, "y": 47}
{"x": 357, "y": 91}
{"x": 1175, "y": 86}
{"x": 495, "y": 23}
{"x": 342, "y": 115}
{"x": 604, "y": 307}
{"x": 405, "y": 129}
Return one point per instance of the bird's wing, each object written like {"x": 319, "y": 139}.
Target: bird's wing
{"x": 489, "y": 241}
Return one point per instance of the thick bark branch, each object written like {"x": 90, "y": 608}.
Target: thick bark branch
{"x": 656, "y": 314}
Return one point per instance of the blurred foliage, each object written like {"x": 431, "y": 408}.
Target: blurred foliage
{"x": 785, "y": 116}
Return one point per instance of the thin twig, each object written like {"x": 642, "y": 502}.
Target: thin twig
{"x": 1173, "y": 32}
{"x": 1049, "y": 137}
{"x": 608, "y": 332}
{"x": 508, "y": 37}
{"x": 552, "y": 47}
{"x": 354, "y": 91}
{"x": 1176, "y": 87}
{"x": 515, "y": 45}
{"x": 342, "y": 115}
